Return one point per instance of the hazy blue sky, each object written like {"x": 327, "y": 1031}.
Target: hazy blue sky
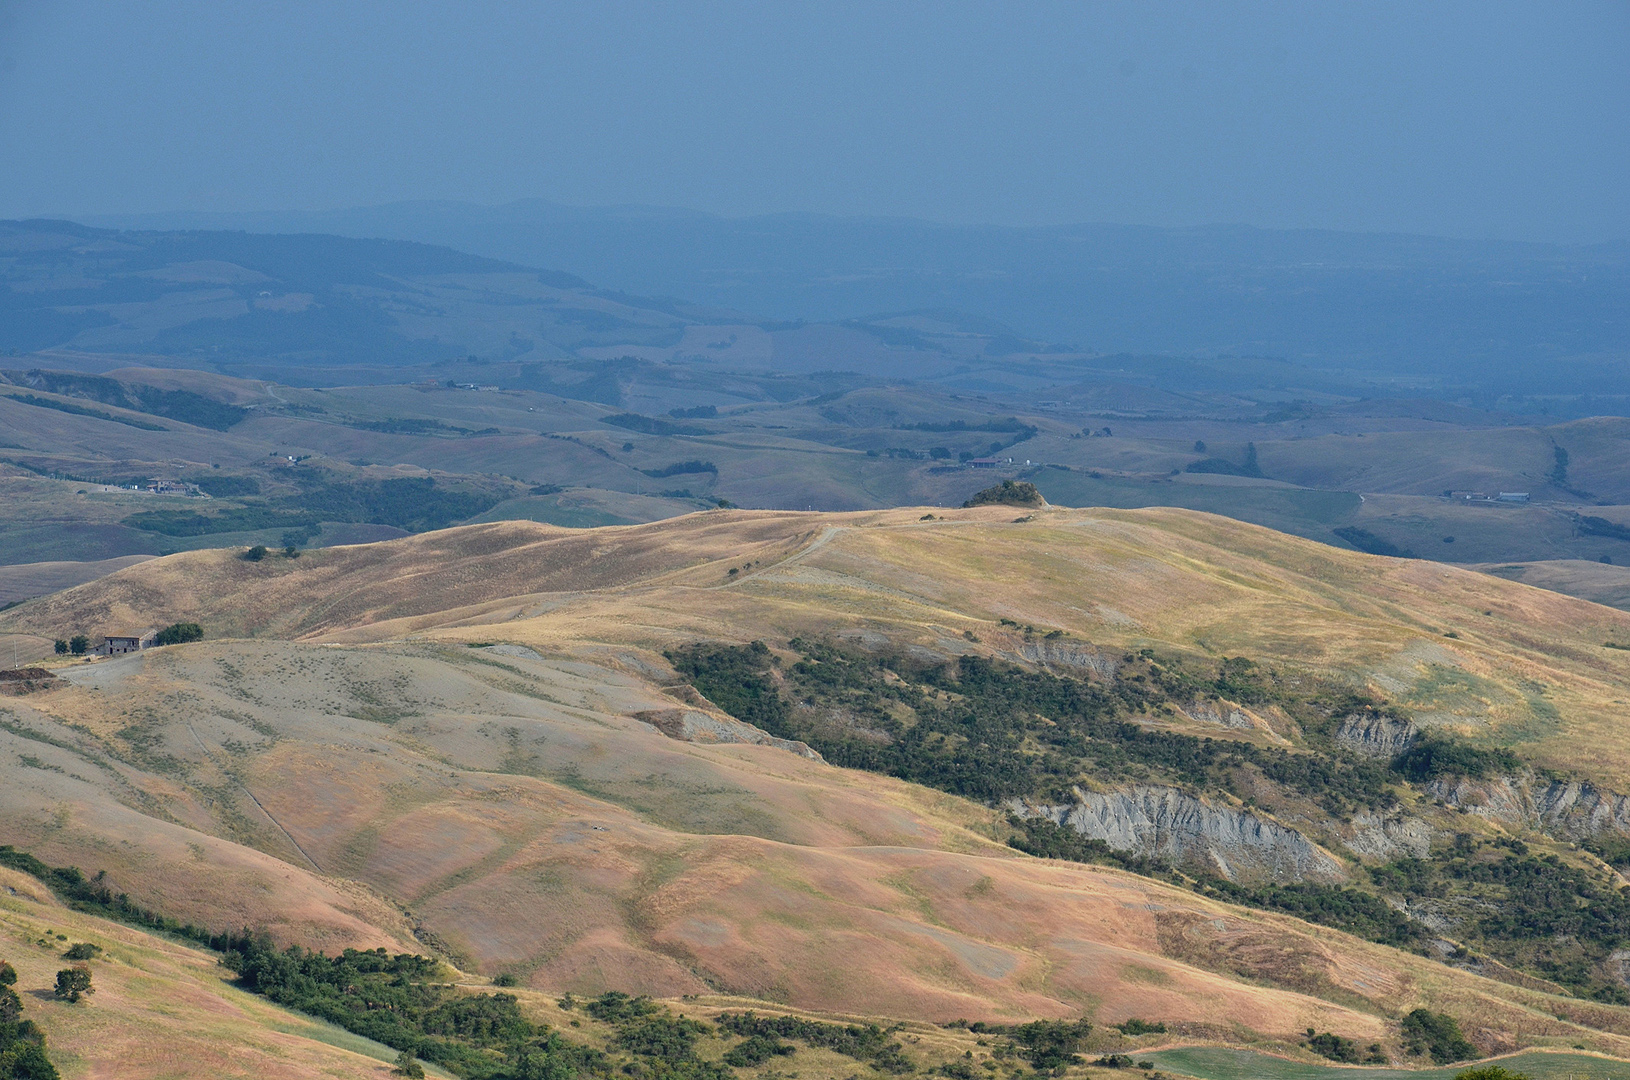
{"x": 1473, "y": 119}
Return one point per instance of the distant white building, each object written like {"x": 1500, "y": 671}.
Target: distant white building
{"x": 1513, "y": 496}
{"x": 115, "y": 644}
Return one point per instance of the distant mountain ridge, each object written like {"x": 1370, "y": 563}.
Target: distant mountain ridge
{"x": 301, "y": 299}
{"x": 1470, "y": 310}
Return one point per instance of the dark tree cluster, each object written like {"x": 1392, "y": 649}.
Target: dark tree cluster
{"x": 1342, "y": 1049}
{"x": 396, "y": 1000}
{"x": 1007, "y": 493}
{"x": 868, "y": 1043}
{"x": 682, "y": 468}
{"x": 1561, "y": 921}
{"x": 990, "y": 731}
{"x": 665, "y": 1044}
{"x": 1433, "y": 756}
{"x": 1437, "y": 1034}
{"x": 1357, "y": 912}
{"x": 22, "y": 1043}
{"x": 180, "y": 633}
{"x": 94, "y": 896}
{"x": 1050, "y": 1045}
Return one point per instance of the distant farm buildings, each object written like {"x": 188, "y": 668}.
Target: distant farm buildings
{"x": 160, "y": 486}
{"x": 1485, "y": 497}
{"x": 115, "y": 644}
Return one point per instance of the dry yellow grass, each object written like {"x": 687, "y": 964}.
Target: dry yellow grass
{"x": 1598, "y": 582}
{"x": 1495, "y": 659}
{"x": 520, "y": 815}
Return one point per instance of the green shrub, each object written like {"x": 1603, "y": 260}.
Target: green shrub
{"x": 1433, "y": 756}
{"x": 1333, "y": 1047}
{"x": 1135, "y": 1026}
{"x": 756, "y": 1050}
{"x": 256, "y": 553}
{"x": 1437, "y": 1034}
{"x": 82, "y": 950}
{"x": 870, "y": 1043}
{"x": 1490, "y": 1072}
{"x": 74, "y": 983}
{"x": 180, "y": 633}
{"x": 615, "y": 1007}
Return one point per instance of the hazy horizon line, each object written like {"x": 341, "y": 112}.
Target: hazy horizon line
{"x": 104, "y": 219}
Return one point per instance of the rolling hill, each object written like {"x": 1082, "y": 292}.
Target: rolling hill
{"x": 500, "y": 744}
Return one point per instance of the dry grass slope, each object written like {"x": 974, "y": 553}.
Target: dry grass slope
{"x": 356, "y": 773}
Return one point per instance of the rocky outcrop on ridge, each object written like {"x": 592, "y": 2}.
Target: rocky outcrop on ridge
{"x": 1377, "y": 837}
{"x": 1069, "y": 655}
{"x": 1164, "y": 822}
{"x": 1377, "y": 736}
{"x": 1573, "y": 809}
{"x": 1221, "y": 713}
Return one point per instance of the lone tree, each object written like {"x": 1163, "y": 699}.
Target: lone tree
{"x": 61, "y": 647}
{"x": 79, "y": 644}
{"x": 256, "y": 553}
{"x": 408, "y": 1065}
{"x": 74, "y": 983}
